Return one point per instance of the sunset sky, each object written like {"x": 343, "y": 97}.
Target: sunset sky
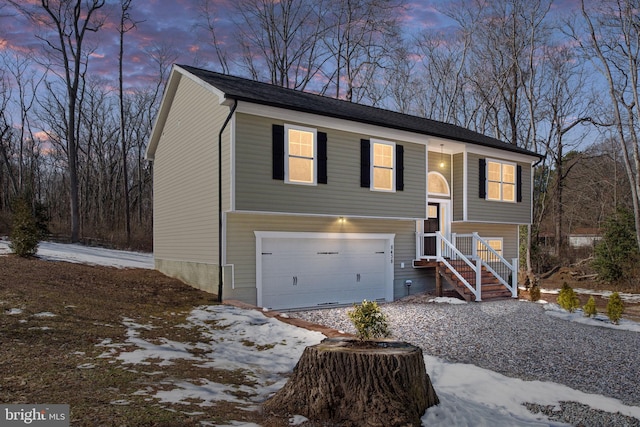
{"x": 174, "y": 24}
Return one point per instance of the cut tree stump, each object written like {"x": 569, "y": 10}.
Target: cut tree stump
{"x": 352, "y": 383}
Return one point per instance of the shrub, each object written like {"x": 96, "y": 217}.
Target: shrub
{"x": 369, "y": 321}
{"x": 615, "y": 308}
{"x": 534, "y": 293}
{"x": 617, "y": 252}
{"x": 24, "y": 234}
{"x": 590, "y": 308}
{"x": 568, "y": 299}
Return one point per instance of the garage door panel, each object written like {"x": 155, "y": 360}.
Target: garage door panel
{"x": 307, "y": 272}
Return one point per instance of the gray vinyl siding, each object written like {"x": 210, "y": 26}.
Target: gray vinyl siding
{"x": 342, "y": 195}
{"x": 241, "y": 246}
{"x": 433, "y": 165}
{"x": 492, "y": 211}
{"x": 186, "y": 179}
{"x": 508, "y": 232}
{"x": 458, "y": 187}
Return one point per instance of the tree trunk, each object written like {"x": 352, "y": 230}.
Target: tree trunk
{"x": 353, "y": 383}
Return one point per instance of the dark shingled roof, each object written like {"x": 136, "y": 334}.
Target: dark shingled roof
{"x": 276, "y": 96}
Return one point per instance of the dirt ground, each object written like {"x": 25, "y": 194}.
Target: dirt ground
{"x": 40, "y": 356}
{"x": 579, "y": 278}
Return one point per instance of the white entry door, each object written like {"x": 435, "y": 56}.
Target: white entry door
{"x": 299, "y": 270}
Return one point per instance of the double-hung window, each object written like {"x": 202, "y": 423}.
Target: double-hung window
{"x": 383, "y": 165}
{"x": 300, "y": 154}
{"x": 501, "y": 181}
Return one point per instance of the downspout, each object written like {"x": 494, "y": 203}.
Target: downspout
{"x": 224, "y": 125}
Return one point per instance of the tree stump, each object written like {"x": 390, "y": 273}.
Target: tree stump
{"x": 354, "y": 383}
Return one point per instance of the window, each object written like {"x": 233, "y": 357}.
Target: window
{"x": 495, "y": 243}
{"x": 437, "y": 184}
{"x": 501, "y": 181}
{"x": 300, "y": 155}
{"x": 382, "y": 166}
{"x": 432, "y": 211}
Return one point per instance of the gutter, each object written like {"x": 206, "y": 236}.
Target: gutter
{"x": 224, "y": 125}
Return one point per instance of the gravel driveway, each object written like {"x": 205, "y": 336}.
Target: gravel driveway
{"x": 514, "y": 338}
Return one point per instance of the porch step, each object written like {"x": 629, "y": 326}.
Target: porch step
{"x": 491, "y": 286}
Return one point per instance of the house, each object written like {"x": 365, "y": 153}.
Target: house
{"x": 308, "y": 201}
{"x": 584, "y": 237}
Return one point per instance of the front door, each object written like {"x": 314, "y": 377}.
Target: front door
{"x": 431, "y": 225}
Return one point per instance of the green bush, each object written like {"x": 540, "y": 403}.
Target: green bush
{"x": 24, "y": 234}
{"x": 615, "y": 308}
{"x": 534, "y": 293}
{"x": 590, "y": 308}
{"x": 617, "y": 252}
{"x": 567, "y": 298}
{"x": 369, "y": 321}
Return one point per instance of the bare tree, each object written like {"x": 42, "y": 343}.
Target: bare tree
{"x": 444, "y": 58}
{"x": 506, "y": 35}
{"x": 612, "y": 40}
{"x": 25, "y": 79}
{"x": 403, "y": 88}
{"x": 6, "y": 133}
{"x": 360, "y": 37}
{"x": 282, "y": 37}
{"x": 69, "y": 20}
{"x": 207, "y": 9}
{"x": 558, "y": 104}
{"x": 126, "y": 24}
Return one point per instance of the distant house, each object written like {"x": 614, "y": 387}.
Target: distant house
{"x": 584, "y": 237}
{"x": 309, "y": 201}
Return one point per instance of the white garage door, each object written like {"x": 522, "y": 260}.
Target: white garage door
{"x": 310, "y": 269}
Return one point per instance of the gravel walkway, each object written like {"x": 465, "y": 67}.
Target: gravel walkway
{"x": 518, "y": 339}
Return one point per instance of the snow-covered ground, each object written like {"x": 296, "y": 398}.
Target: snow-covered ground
{"x": 469, "y": 395}
{"x": 88, "y": 255}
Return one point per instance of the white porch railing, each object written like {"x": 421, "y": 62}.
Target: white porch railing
{"x": 468, "y": 272}
{"x": 469, "y": 253}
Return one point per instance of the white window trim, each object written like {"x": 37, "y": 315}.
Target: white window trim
{"x": 372, "y": 143}
{"x": 314, "y": 131}
{"x": 515, "y": 181}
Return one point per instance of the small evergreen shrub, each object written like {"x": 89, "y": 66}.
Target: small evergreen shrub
{"x": 615, "y": 308}
{"x": 534, "y": 293}
{"x": 567, "y": 298}
{"x": 24, "y": 234}
{"x": 369, "y": 321}
{"x": 616, "y": 253}
{"x": 590, "y": 308}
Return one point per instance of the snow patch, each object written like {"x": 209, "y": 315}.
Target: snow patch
{"x": 600, "y": 320}
{"x": 44, "y": 314}
{"x": 447, "y": 300}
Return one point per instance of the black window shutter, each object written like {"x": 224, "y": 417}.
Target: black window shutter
{"x": 482, "y": 179}
{"x": 399, "y": 167}
{"x": 519, "y": 183}
{"x": 278, "y": 152}
{"x": 322, "y": 158}
{"x": 365, "y": 163}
